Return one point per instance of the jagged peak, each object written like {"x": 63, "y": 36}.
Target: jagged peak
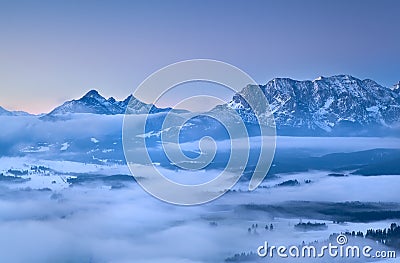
{"x": 92, "y": 94}
{"x": 343, "y": 76}
{"x": 93, "y": 102}
{"x": 282, "y": 79}
{"x": 339, "y": 77}
{"x": 128, "y": 98}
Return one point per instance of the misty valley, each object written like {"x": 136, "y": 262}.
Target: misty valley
{"x": 68, "y": 194}
{"x": 78, "y": 201}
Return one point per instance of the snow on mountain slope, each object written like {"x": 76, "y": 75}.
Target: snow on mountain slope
{"x": 337, "y": 105}
{"x": 396, "y": 87}
{"x": 326, "y": 104}
{"x": 93, "y": 102}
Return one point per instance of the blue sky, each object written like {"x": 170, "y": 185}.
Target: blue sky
{"x": 51, "y": 51}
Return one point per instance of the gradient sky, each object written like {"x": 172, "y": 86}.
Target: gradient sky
{"x": 51, "y": 51}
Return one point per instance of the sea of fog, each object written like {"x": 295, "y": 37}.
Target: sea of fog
{"x": 52, "y": 218}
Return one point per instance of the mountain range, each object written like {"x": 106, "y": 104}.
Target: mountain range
{"x": 334, "y": 105}
{"x": 93, "y": 102}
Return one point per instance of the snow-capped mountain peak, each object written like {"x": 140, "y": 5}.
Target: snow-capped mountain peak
{"x": 93, "y": 102}
{"x": 326, "y": 104}
{"x": 93, "y": 94}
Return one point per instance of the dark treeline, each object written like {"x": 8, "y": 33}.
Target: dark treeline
{"x": 388, "y": 236}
